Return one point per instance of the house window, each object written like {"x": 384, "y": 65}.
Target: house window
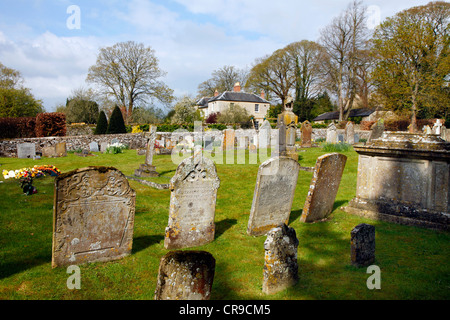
{"x": 256, "y": 107}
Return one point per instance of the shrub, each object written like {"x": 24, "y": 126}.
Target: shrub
{"x": 22, "y": 127}
{"x": 102, "y": 123}
{"x": 50, "y": 124}
{"x": 116, "y": 148}
{"x": 116, "y": 123}
{"x": 212, "y": 118}
{"x": 366, "y": 125}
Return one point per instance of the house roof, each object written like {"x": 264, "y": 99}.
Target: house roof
{"x": 238, "y": 97}
{"x": 334, "y": 115}
{"x": 203, "y": 102}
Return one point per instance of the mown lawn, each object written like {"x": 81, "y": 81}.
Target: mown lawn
{"x": 413, "y": 261}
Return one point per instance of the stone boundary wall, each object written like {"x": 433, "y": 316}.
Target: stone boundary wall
{"x": 8, "y": 148}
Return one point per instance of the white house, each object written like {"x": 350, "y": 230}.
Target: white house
{"x": 256, "y": 106}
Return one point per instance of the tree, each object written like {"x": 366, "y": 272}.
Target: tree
{"x": 185, "y": 111}
{"x": 116, "y": 122}
{"x": 412, "y": 52}
{"x": 129, "y": 72}
{"x": 222, "y": 79}
{"x": 344, "y": 39}
{"x": 82, "y": 107}
{"x": 234, "y": 114}
{"x": 102, "y": 123}
{"x": 16, "y": 100}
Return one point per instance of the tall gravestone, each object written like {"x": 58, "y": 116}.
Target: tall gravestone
{"x": 273, "y": 195}
{"x": 93, "y": 216}
{"x": 148, "y": 169}
{"x": 324, "y": 187}
{"x": 350, "y": 133}
{"x": 280, "y": 259}
{"x": 264, "y": 135}
{"x": 26, "y": 150}
{"x": 306, "y": 131}
{"x": 192, "y": 203}
{"x": 331, "y": 133}
{"x": 362, "y": 245}
{"x": 228, "y": 139}
{"x": 185, "y": 275}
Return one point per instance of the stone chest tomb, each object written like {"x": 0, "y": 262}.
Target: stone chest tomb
{"x": 404, "y": 178}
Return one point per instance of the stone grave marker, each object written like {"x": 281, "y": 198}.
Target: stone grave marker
{"x": 306, "y": 131}
{"x": 363, "y": 245}
{"x": 228, "y": 139}
{"x": 93, "y": 216}
{"x": 61, "y": 149}
{"x": 324, "y": 187}
{"x": 437, "y": 127}
{"x": 103, "y": 146}
{"x": 331, "y": 133}
{"x": 273, "y": 195}
{"x": 192, "y": 203}
{"x": 350, "y": 133}
{"x": 114, "y": 140}
{"x": 264, "y": 134}
{"x": 341, "y": 138}
{"x": 280, "y": 263}
{"x": 185, "y": 275}
{"x": 26, "y": 150}
{"x": 49, "y": 152}
{"x": 376, "y": 131}
{"x": 148, "y": 169}
{"x": 93, "y": 147}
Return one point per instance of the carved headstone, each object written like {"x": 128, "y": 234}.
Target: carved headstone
{"x": 93, "y": 216}
{"x": 185, "y": 275}
{"x": 331, "y": 133}
{"x": 192, "y": 203}
{"x": 273, "y": 195}
{"x": 363, "y": 245}
{"x": 306, "y": 130}
{"x": 324, "y": 187}
{"x": 26, "y": 150}
{"x": 280, "y": 263}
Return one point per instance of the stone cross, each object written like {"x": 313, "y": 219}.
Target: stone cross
{"x": 437, "y": 127}
{"x": 150, "y": 145}
{"x": 280, "y": 259}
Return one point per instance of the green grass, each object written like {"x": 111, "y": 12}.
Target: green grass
{"x": 413, "y": 261}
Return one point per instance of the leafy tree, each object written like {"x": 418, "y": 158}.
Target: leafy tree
{"x": 185, "y": 111}
{"x": 129, "y": 72}
{"x": 82, "y": 107}
{"x": 234, "y": 114}
{"x": 116, "y": 122}
{"x": 412, "y": 52}
{"x": 102, "y": 123}
{"x": 16, "y": 100}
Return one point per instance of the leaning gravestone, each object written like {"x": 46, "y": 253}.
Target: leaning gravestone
{"x": 26, "y": 150}
{"x": 376, "y": 131}
{"x": 324, "y": 187}
{"x": 93, "y": 146}
{"x": 331, "y": 133}
{"x": 93, "y": 216}
{"x": 363, "y": 245}
{"x": 185, "y": 275}
{"x": 273, "y": 195}
{"x": 192, "y": 203}
{"x": 280, "y": 265}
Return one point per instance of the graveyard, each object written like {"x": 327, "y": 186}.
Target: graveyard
{"x": 413, "y": 260}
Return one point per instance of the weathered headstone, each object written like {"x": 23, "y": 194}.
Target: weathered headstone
{"x": 306, "y": 131}
{"x": 331, "y": 133}
{"x": 273, "y": 195}
{"x": 280, "y": 265}
{"x": 60, "y": 149}
{"x": 185, "y": 275}
{"x": 93, "y": 146}
{"x": 376, "y": 131}
{"x": 341, "y": 138}
{"x": 264, "y": 134}
{"x": 350, "y": 133}
{"x": 363, "y": 245}
{"x": 148, "y": 169}
{"x": 192, "y": 203}
{"x": 49, "y": 152}
{"x": 228, "y": 139}
{"x": 93, "y": 216}
{"x": 103, "y": 146}
{"x": 324, "y": 187}
{"x": 26, "y": 150}
{"x": 427, "y": 130}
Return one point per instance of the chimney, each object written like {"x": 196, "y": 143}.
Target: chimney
{"x": 216, "y": 93}
{"x": 237, "y": 87}
{"x": 263, "y": 94}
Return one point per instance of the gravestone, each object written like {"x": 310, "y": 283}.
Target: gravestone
{"x": 427, "y": 130}
{"x": 26, "y": 150}
{"x": 49, "y": 152}
{"x": 148, "y": 169}
{"x": 61, "y": 149}
{"x": 350, "y": 133}
{"x": 192, "y": 203}
{"x": 306, "y": 130}
{"x": 273, "y": 195}
{"x": 185, "y": 275}
{"x": 437, "y": 127}
{"x": 376, "y": 131}
{"x": 114, "y": 141}
{"x": 341, "y": 138}
{"x": 280, "y": 263}
{"x": 363, "y": 245}
{"x": 331, "y": 133}
{"x": 93, "y": 216}
{"x": 228, "y": 139}
{"x": 93, "y": 146}
{"x": 103, "y": 146}
{"x": 324, "y": 187}
{"x": 264, "y": 134}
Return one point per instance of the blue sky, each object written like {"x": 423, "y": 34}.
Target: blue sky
{"x": 191, "y": 38}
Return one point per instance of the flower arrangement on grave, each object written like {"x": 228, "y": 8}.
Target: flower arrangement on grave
{"x": 27, "y": 186}
{"x": 35, "y": 172}
{"x": 116, "y": 148}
